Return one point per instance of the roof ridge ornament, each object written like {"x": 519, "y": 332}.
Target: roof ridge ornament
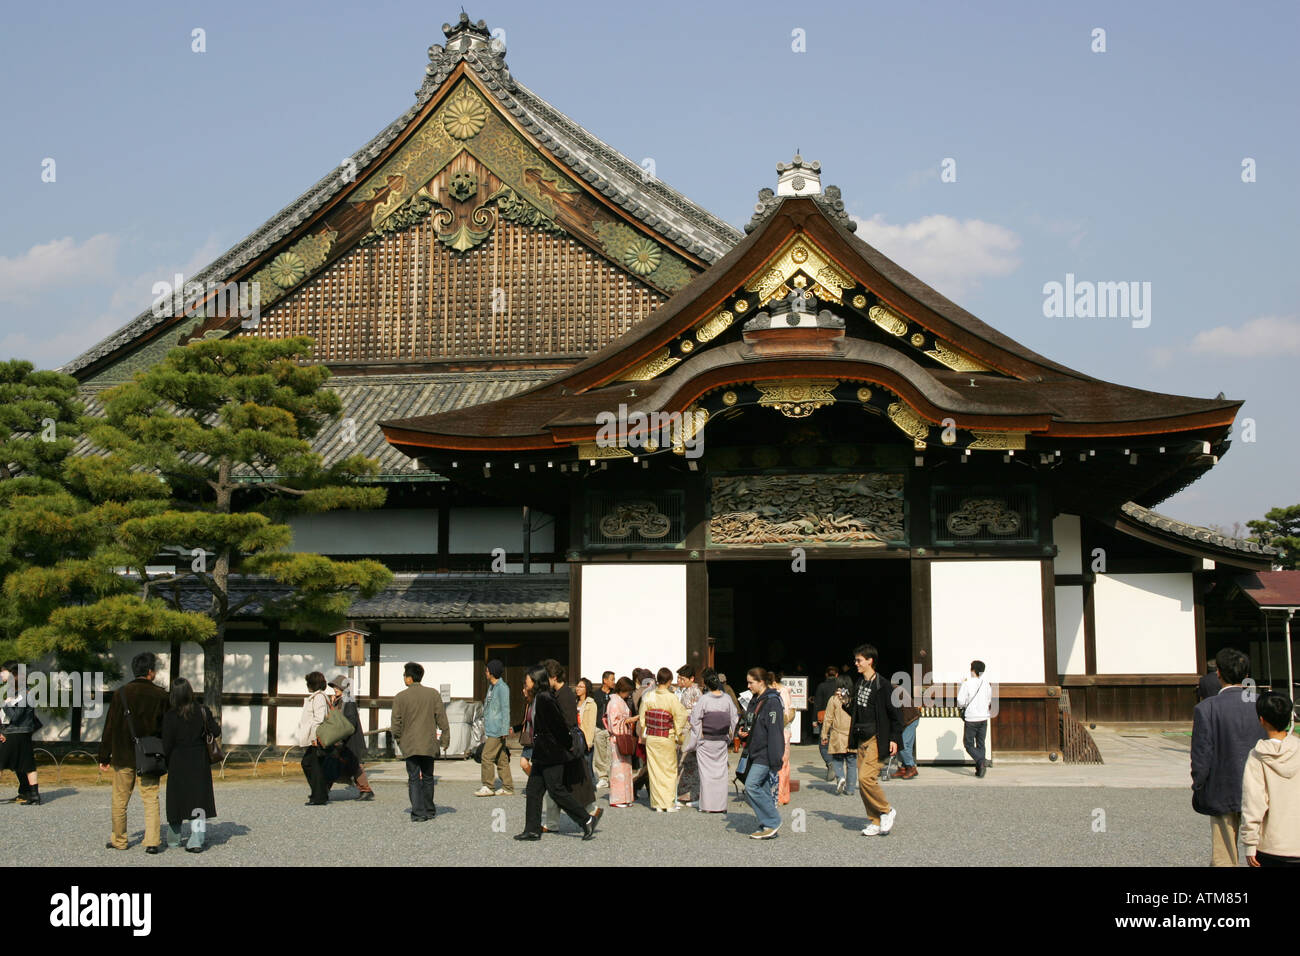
{"x": 800, "y": 178}
{"x": 473, "y": 42}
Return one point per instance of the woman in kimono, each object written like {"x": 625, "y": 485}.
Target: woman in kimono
{"x": 688, "y": 779}
{"x": 713, "y": 724}
{"x": 620, "y": 722}
{"x": 787, "y": 705}
{"x": 661, "y": 725}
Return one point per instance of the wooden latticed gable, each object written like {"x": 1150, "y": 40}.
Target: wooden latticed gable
{"x": 482, "y": 225}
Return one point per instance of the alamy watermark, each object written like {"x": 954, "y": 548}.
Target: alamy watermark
{"x": 650, "y": 431}
{"x": 214, "y": 300}
{"x": 1098, "y": 300}
{"x": 56, "y": 689}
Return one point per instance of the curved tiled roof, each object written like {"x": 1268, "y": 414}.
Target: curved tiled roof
{"x": 622, "y": 181}
{"x": 1193, "y": 532}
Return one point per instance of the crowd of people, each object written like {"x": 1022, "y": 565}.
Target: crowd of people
{"x": 670, "y": 734}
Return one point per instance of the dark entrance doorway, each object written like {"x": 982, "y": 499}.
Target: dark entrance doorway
{"x": 762, "y": 613}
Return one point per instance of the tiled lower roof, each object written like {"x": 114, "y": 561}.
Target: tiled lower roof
{"x": 441, "y": 598}
{"x": 1194, "y": 532}
{"x": 368, "y": 399}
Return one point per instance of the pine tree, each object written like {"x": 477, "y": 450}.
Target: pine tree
{"x": 224, "y": 427}
{"x": 1280, "y": 528}
{"x": 57, "y": 534}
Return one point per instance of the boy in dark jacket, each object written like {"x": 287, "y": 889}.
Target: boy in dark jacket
{"x": 877, "y": 730}
{"x": 765, "y": 749}
{"x": 1224, "y": 729}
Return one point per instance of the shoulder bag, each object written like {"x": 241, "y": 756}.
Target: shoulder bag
{"x": 334, "y": 727}
{"x": 211, "y": 739}
{"x": 150, "y": 761}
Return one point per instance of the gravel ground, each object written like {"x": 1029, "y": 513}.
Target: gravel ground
{"x": 965, "y": 822}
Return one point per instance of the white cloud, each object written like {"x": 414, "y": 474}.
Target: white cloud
{"x": 47, "y": 332}
{"x": 952, "y": 255}
{"x": 1269, "y": 336}
{"x": 56, "y": 264}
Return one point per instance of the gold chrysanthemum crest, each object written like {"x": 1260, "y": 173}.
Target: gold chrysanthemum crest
{"x": 287, "y": 269}
{"x": 464, "y": 116}
{"x": 642, "y": 257}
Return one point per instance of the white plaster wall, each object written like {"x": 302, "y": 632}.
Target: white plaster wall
{"x": 396, "y": 531}
{"x": 480, "y": 530}
{"x": 1146, "y": 624}
{"x": 443, "y": 664}
{"x": 245, "y": 725}
{"x": 985, "y": 610}
{"x": 633, "y": 615}
{"x": 1070, "y": 653}
{"x": 1069, "y": 545}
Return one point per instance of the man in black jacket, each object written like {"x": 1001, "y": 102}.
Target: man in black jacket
{"x": 877, "y": 729}
{"x": 147, "y": 702}
{"x": 1225, "y": 728}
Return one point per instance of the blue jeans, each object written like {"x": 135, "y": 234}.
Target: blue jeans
{"x": 909, "y": 744}
{"x": 826, "y": 756}
{"x": 760, "y": 794}
{"x": 846, "y": 767}
{"x": 974, "y": 740}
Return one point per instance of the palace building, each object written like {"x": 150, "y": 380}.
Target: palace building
{"x": 616, "y": 430}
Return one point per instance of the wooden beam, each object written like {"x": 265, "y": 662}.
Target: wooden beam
{"x": 697, "y": 615}
{"x": 1128, "y": 680}
{"x": 575, "y": 616}
{"x": 922, "y": 630}
{"x": 1050, "y": 672}
{"x": 272, "y": 680}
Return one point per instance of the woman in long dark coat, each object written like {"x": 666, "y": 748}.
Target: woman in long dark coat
{"x": 353, "y": 763}
{"x": 189, "y": 775}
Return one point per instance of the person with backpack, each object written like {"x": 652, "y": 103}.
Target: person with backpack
{"x": 764, "y": 748}
{"x": 18, "y": 724}
{"x": 837, "y": 727}
{"x": 351, "y": 751}
{"x": 975, "y": 699}
{"x": 713, "y": 722}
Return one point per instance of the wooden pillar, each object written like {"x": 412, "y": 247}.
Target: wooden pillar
{"x": 272, "y": 682}
{"x": 1050, "y": 672}
{"x": 697, "y": 615}
{"x": 922, "y": 631}
{"x": 480, "y": 660}
{"x": 575, "y": 616}
{"x": 374, "y": 681}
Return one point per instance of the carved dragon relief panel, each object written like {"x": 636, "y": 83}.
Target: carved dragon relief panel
{"x": 865, "y": 509}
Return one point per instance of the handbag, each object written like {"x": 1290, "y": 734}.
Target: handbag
{"x": 577, "y": 743}
{"x": 742, "y": 767}
{"x": 150, "y": 761}
{"x": 212, "y": 740}
{"x": 334, "y": 727}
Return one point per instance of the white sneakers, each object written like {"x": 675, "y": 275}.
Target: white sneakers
{"x": 484, "y": 792}
{"x": 503, "y": 792}
{"x": 883, "y": 827}
{"x": 602, "y": 784}
{"x": 841, "y": 787}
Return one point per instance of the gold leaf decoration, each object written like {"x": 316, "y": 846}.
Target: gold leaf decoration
{"x": 287, "y": 269}
{"x": 998, "y": 441}
{"x": 464, "y": 116}
{"x": 909, "y": 422}
{"x": 642, "y": 256}
{"x": 887, "y": 320}
{"x": 796, "y": 399}
{"x": 711, "y": 329}
{"x": 648, "y": 369}
{"x": 958, "y": 361}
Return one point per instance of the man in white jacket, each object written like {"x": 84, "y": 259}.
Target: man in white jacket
{"x": 1270, "y": 789}
{"x": 976, "y": 696}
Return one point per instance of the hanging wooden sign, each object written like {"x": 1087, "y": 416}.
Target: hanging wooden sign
{"x": 350, "y": 647}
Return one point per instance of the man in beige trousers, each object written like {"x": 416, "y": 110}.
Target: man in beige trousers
{"x": 147, "y": 702}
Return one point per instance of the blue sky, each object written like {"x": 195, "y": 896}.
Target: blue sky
{"x": 1123, "y": 165}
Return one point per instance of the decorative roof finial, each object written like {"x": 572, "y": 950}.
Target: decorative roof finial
{"x": 470, "y": 41}
{"x": 803, "y": 179}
